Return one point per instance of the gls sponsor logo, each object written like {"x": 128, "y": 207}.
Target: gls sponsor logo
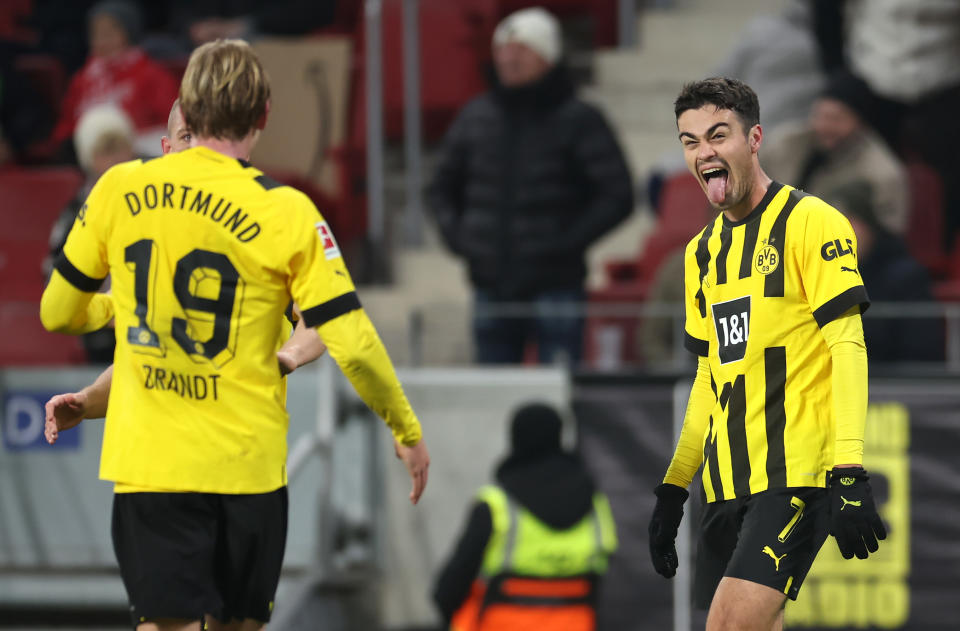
{"x": 834, "y": 249}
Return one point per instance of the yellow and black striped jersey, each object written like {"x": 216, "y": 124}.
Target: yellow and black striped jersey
{"x": 205, "y": 252}
{"x": 757, "y": 292}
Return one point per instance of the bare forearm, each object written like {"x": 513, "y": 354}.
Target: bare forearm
{"x": 304, "y": 345}
{"x": 97, "y": 395}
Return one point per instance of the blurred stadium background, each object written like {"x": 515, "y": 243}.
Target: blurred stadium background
{"x": 358, "y": 556}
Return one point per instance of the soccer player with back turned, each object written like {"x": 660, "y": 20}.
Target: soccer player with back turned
{"x": 67, "y": 410}
{"x": 777, "y": 410}
{"x": 205, "y": 252}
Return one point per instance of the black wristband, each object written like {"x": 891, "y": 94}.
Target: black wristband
{"x": 857, "y": 473}
{"x": 673, "y": 492}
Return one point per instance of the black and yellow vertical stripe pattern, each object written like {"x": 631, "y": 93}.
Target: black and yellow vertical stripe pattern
{"x": 757, "y": 292}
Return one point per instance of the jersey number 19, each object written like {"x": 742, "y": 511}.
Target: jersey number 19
{"x": 191, "y": 286}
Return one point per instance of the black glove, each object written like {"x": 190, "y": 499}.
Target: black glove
{"x": 663, "y": 528}
{"x": 854, "y": 521}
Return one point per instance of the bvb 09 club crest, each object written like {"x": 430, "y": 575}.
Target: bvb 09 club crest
{"x": 767, "y": 258}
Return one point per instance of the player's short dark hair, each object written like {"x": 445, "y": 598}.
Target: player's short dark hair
{"x": 725, "y": 94}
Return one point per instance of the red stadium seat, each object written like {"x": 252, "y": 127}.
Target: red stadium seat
{"x": 26, "y": 343}
{"x": 451, "y": 63}
{"x": 682, "y": 213}
{"x": 948, "y": 290}
{"x": 21, "y": 268}
{"x": 683, "y": 206}
{"x": 954, "y": 268}
{"x": 925, "y": 225}
{"x": 32, "y": 201}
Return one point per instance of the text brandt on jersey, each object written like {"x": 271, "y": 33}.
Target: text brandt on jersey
{"x": 197, "y": 387}
{"x": 183, "y": 197}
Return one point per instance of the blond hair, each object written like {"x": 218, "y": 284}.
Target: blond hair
{"x": 224, "y": 91}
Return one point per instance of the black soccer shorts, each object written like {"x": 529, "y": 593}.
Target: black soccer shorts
{"x": 184, "y": 555}
{"x": 770, "y": 538}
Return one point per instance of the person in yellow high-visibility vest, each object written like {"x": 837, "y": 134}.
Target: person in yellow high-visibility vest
{"x": 536, "y": 542}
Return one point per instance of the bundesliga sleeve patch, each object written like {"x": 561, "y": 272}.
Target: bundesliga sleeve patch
{"x": 330, "y": 248}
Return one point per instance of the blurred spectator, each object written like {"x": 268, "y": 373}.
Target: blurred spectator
{"x": 119, "y": 72}
{"x": 25, "y": 116}
{"x": 536, "y": 543}
{"x": 890, "y": 274}
{"x": 657, "y": 339}
{"x": 907, "y": 52}
{"x": 776, "y": 54}
{"x": 837, "y": 146}
{"x": 103, "y": 137}
{"x": 58, "y": 30}
{"x": 55, "y": 27}
{"x": 529, "y": 177}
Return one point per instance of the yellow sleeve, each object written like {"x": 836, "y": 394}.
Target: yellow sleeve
{"x": 696, "y": 330}
{"x": 66, "y": 309}
{"x": 829, "y": 270}
{"x": 844, "y": 337}
{"x": 357, "y": 349}
{"x": 324, "y": 292}
{"x": 70, "y": 303}
{"x": 86, "y": 245}
{"x": 689, "y": 452}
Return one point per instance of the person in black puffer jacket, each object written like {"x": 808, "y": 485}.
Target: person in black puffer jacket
{"x": 529, "y": 177}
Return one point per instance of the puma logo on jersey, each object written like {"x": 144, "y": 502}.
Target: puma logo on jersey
{"x": 849, "y": 269}
{"x": 850, "y": 502}
{"x": 767, "y": 550}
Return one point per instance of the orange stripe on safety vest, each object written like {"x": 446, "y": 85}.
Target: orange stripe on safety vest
{"x": 518, "y": 618}
{"x": 559, "y": 588}
{"x": 467, "y": 618}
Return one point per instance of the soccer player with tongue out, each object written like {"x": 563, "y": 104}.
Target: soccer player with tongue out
{"x": 776, "y": 415}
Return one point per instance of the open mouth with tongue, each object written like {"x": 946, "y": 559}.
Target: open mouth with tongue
{"x": 716, "y": 179}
